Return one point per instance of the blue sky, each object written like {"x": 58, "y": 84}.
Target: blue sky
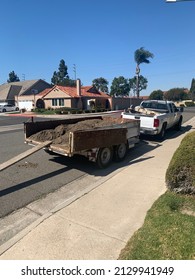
{"x": 100, "y": 38}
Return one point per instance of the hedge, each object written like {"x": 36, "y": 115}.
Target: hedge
{"x": 180, "y": 175}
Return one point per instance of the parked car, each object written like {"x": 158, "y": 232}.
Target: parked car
{"x": 8, "y": 108}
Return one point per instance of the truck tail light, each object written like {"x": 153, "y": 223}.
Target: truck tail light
{"x": 156, "y": 123}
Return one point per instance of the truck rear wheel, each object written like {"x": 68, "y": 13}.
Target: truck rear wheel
{"x": 178, "y": 125}
{"x": 120, "y": 152}
{"x": 104, "y": 157}
{"x": 161, "y": 135}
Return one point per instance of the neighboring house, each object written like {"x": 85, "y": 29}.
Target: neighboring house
{"x": 18, "y": 92}
{"x": 80, "y": 97}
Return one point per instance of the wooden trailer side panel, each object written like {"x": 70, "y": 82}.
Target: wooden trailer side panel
{"x": 85, "y": 140}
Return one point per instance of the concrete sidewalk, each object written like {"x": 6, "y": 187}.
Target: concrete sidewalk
{"x": 97, "y": 225}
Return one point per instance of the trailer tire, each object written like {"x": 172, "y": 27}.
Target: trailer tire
{"x": 104, "y": 157}
{"x": 120, "y": 152}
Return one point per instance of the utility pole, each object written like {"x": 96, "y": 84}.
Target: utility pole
{"x": 137, "y": 80}
{"x": 75, "y": 72}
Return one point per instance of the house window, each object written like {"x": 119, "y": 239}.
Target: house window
{"x": 54, "y": 102}
{"x": 61, "y": 102}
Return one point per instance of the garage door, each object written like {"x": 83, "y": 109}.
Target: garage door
{"x": 27, "y": 105}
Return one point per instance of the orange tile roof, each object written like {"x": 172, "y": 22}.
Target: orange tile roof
{"x": 72, "y": 91}
{"x": 44, "y": 92}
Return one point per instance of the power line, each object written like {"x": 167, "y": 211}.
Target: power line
{"x": 173, "y": 1}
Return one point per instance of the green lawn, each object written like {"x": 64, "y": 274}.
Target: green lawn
{"x": 167, "y": 233}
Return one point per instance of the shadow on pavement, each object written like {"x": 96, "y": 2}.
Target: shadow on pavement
{"x": 81, "y": 163}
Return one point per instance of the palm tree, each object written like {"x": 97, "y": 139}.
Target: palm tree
{"x": 141, "y": 56}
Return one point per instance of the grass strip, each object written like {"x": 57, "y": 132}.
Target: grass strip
{"x": 167, "y": 233}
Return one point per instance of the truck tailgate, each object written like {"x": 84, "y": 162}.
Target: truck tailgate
{"x": 145, "y": 120}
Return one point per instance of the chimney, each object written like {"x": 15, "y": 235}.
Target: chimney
{"x": 78, "y": 84}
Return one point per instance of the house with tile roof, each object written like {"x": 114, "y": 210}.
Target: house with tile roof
{"x": 10, "y": 92}
{"x": 79, "y": 97}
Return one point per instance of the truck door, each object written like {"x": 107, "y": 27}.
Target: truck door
{"x": 171, "y": 117}
{"x": 176, "y": 115}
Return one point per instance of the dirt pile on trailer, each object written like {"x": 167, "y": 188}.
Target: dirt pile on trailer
{"x": 60, "y": 134}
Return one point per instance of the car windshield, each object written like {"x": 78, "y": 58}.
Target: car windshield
{"x": 154, "y": 105}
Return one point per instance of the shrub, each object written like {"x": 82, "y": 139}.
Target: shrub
{"x": 180, "y": 175}
{"x": 50, "y": 108}
{"x": 62, "y": 112}
{"x": 58, "y": 111}
{"x": 40, "y": 110}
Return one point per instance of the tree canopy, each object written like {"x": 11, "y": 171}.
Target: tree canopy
{"x": 13, "y": 77}
{"x": 176, "y": 94}
{"x": 119, "y": 87}
{"x": 143, "y": 82}
{"x": 156, "y": 95}
{"x": 192, "y": 89}
{"x": 100, "y": 84}
{"x": 141, "y": 56}
{"x": 61, "y": 77}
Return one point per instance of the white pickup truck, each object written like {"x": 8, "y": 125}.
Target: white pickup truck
{"x": 155, "y": 117}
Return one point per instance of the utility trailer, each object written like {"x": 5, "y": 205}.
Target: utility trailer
{"x": 99, "y": 144}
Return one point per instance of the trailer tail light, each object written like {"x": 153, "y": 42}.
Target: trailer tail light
{"x": 156, "y": 123}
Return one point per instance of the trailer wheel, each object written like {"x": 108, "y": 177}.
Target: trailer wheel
{"x": 120, "y": 152}
{"x": 104, "y": 157}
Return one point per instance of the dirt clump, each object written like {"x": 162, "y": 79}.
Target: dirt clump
{"x": 49, "y": 134}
